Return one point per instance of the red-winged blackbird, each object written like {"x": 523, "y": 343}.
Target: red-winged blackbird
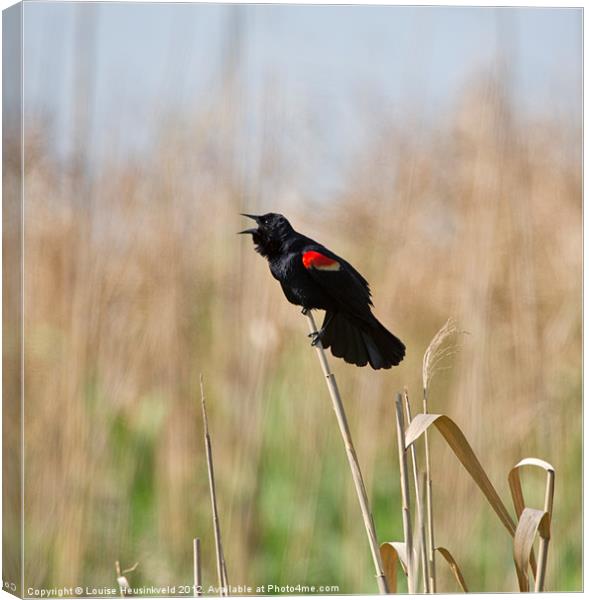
{"x": 312, "y": 276}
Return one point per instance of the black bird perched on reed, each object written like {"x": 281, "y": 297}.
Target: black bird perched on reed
{"x": 313, "y": 277}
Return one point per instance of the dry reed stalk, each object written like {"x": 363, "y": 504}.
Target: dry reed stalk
{"x": 419, "y": 502}
{"x": 123, "y": 582}
{"x": 420, "y": 548}
{"x": 344, "y": 428}
{"x": 544, "y": 540}
{"x": 221, "y": 567}
{"x": 405, "y": 498}
{"x": 197, "y": 566}
{"x": 431, "y": 359}
{"x": 431, "y": 544}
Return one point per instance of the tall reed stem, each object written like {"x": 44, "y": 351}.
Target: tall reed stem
{"x": 434, "y": 354}
{"x": 419, "y": 503}
{"x": 122, "y": 581}
{"x": 197, "y": 567}
{"x": 405, "y": 497}
{"x": 344, "y": 428}
{"x": 429, "y": 507}
{"x": 543, "y": 547}
{"x": 221, "y": 567}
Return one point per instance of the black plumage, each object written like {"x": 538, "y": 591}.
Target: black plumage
{"x": 313, "y": 277}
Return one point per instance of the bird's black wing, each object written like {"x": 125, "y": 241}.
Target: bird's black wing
{"x": 339, "y": 279}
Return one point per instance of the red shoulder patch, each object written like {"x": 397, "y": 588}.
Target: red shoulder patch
{"x": 316, "y": 260}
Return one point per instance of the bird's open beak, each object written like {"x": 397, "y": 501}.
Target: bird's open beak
{"x": 253, "y": 230}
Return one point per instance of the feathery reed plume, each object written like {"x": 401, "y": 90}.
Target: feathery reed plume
{"x": 344, "y": 428}
{"x": 438, "y": 350}
{"x": 434, "y": 354}
{"x": 197, "y": 567}
{"x": 419, "y": 501}
{"x": 405, "y": 497}
{"x": 221, "y": 567}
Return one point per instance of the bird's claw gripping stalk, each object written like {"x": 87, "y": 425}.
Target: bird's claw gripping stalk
{"x": 315, "y": 337}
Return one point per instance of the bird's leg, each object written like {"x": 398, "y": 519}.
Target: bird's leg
{"x": 327, "y": 321}
{"x": 316, "y": 335}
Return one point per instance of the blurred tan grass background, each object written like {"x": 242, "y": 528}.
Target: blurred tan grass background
{"x": 136, "y": 282}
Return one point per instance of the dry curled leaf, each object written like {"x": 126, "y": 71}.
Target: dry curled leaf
{"x": 531, "y": 523}
{"x": 516, "y": 487}
{"x": 392, "y": 554}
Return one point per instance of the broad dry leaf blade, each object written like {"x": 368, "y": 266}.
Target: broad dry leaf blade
{"x": 454, "y": 567}
{"x": 465, "y": 454}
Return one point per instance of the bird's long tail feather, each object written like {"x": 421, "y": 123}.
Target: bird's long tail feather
{"x": 359, "y": 343}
